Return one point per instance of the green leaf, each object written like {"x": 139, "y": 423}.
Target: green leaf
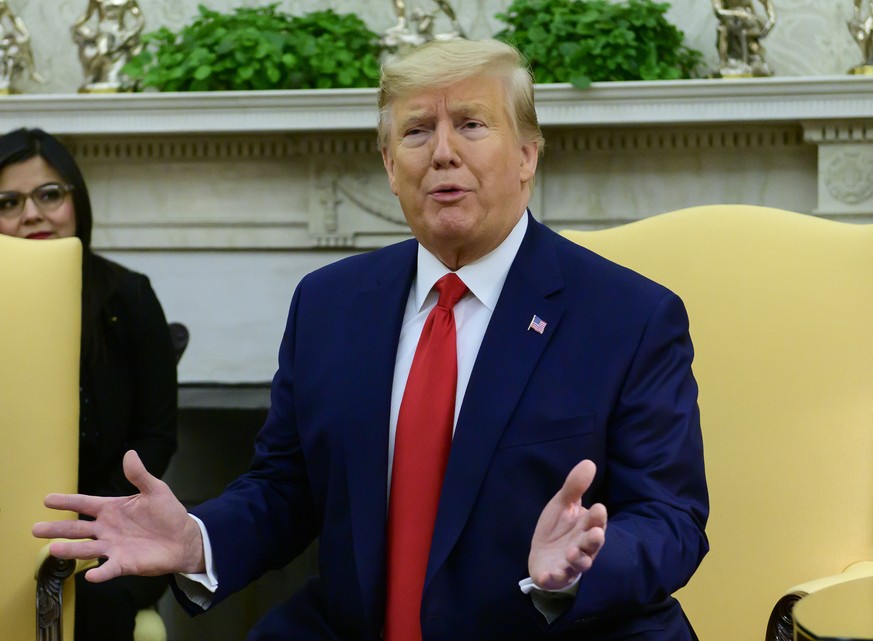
{"x": 568, "y": 49}
{"x": 580, "y": 82}
{"x": 225, "y": 46}
{"x": 202, "y": 72}
{"x": 537, "y": 34}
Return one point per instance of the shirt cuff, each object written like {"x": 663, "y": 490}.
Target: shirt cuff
{"x": 550, "y": 603}
{"x": 200, "y": 587}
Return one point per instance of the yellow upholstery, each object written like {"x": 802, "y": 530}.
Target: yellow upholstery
{"x": 40, "y": 306}
{"x": 149, "y": 626}
{"x": 781, "y": 311}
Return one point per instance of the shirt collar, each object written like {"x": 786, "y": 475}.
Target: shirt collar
{"x": 483, "y": 277}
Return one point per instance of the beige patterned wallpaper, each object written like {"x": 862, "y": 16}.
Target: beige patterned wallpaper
{"x": 810, "y": 37}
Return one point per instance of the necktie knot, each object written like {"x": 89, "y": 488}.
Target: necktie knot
{"x": 451, "y": 289}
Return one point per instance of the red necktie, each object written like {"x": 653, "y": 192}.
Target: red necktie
{"x": 421, "y": 452}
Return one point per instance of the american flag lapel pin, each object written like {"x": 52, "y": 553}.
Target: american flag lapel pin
{"x": 537, "y": 324}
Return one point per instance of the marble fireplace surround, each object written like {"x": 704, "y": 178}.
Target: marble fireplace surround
{"x": 201, "y": 191}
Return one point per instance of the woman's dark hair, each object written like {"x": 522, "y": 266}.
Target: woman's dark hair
{"x": 98, "y": 276}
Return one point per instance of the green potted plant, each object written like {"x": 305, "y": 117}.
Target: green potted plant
{"x": 259, "y": 48}
{"x": 584, "y": 41}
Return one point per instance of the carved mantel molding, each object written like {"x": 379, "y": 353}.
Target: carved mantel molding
{"x": 751, "y": 100}
{"x": 300, "y": 169}
{"x": 845, "y": 164}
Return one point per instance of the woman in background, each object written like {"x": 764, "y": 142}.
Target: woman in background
{"x": 127, "y": 386}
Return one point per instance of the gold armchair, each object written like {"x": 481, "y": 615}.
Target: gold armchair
{"x": 40, "y": 292}
{"x": 781, "y": 312}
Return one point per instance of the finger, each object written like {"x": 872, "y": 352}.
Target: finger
{"x": 78, "y": 549}
{"x": 592, "y": 542}
{"x": 577, "y": 482}
{"x": 559, "y": 579}
{"x": 597, "y": 516}
{"x": 581, "y": 554}
{"x": 74, "y": 529}
{"x": 79, "y": 503}
{"x": 102, "y": 572}
{"x": 579, "y": 561}
{"x": 136, "y": 473}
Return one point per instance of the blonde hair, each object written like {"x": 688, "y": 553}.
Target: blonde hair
{"x": 439, "y": 63}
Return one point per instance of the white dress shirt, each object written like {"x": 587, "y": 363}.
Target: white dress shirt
{"x": 484, "y": 278}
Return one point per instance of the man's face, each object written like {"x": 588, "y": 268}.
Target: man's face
{"x": 454, "y": 161}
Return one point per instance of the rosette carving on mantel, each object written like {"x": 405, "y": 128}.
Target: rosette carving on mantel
{"x": 849, "y": 176}
{"x": 845, "y": 167}
{"x": 348, "y": 204}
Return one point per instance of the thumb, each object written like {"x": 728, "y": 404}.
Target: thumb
{"x": 136, "y": 473}
{"x": 577, "y": 482}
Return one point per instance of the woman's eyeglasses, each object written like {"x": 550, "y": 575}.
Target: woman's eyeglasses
{"x": 46, "y": 197}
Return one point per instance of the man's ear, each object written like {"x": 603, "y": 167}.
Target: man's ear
{"x": 388, "y": 161}
{"x": 529, "y": 157}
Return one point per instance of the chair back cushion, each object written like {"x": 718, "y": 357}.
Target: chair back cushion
{"x": 781, "y": 313}
{"x": 40, "y": 310}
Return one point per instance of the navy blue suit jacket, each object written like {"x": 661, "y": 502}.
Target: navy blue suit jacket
{"x": 609, "y": 380}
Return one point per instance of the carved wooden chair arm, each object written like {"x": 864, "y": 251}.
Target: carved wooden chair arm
{"x": 780, "y": 627}
{"x": 50, "y": 574}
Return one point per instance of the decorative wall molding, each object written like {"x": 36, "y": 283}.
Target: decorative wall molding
{"x": 837, "y": 131}
{"x": 179, "y": 148}
{"x": 675, "y": 138}
{"x": 212, "y": 147}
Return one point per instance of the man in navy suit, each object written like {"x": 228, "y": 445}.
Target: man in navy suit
{"x": 575, "y": 399}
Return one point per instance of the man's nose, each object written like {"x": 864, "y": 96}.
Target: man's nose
{"x": 445, "y": 151}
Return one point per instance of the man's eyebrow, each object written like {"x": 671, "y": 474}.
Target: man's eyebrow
{"x": 413, "y": 118}
{"x": 471, "y": 110}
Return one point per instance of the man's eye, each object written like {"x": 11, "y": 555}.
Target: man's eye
{"x": 8, "y": 203}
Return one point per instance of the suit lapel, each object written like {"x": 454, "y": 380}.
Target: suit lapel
{"x": 376, "y": 318}
{"x": 506, "y": 359}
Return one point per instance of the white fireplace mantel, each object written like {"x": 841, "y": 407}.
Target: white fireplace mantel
{"x": 227, "y": 199}
{"x": 300, "y": 169}
{"x": 785, "y": 99}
